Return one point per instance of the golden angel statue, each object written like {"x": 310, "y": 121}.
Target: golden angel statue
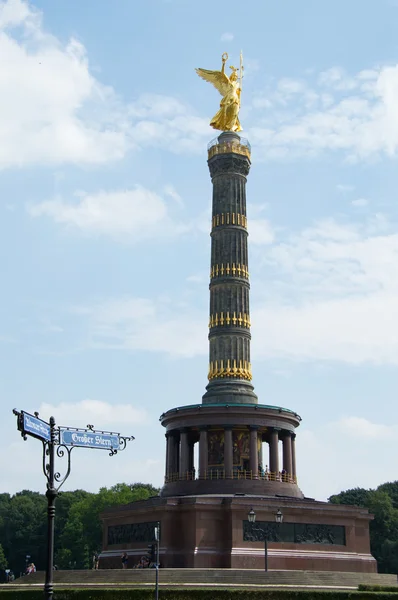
{"x": 230, "y": 89}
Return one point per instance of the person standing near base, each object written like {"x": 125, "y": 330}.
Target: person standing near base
{"x": 125, "y": 559}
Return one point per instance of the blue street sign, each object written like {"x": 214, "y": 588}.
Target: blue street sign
{"x": 89, "y": 439}
{"x": 36, "y": 427}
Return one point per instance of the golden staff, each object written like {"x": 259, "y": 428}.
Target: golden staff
{"x": 241, "y": 69}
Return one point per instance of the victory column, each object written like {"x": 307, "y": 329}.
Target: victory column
{"x": 206, "y": 510}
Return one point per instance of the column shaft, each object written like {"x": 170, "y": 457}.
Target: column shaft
{"x": 203, "y": 451}
{"x": 176, "y": 454}
{"x": 274, "y": 452}
{"x": 294, "y": 470}
{"x": 171, "y": 455}
{"x": 168, "y": 443}
{"x": 228, "y": 453}
{"x": 287, "y": 453}
{"x": 229, "y": 319}
{"x": 191, "y": 464}
{"x": 184, "y": 454}
{"x": 253, "y": 452}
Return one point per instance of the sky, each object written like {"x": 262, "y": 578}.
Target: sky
{"x": 105, "y": 202}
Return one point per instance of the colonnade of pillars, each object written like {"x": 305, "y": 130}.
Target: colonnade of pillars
{"x": 180, "y": 452}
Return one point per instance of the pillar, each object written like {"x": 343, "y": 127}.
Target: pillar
{"x": 228, "y": 453}
{"x": 184, "y": 454}
{"x": 191, "y": 465}
{"x": 260, "y": 457}
{"x": 169, "y": 452}
{"x": 176, "y": 453}
{"x": 203, "y": 451}
{"x": 229, "y": 319}
{"x": 287, "y": 453}
{"x": 294, "y": 471}
{"x": 253, "y": 451}
{"x": 274, "y": 451}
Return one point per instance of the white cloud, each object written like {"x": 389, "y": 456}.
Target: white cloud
{"x": 15, "y": 12}
{"x": 343, "y": 187}
{"x": 141, "y": 324}
{"x": 196, "y": 279}
{"x": 329, "y": 294}
{"x": 360, "y": 202}
{"x": 337, "y": 79}
{"x": 97, "y": 412}
{"x": 359, "y": 115}
{"x": 333, "y": 296}
{"x": 341, "y": 455}
{"x": 169, "y": 190}
{"x": 53, "y": 110}
{"x": 365, "y": 429}
{"x": 260, "y": 232}
{"x": 130, "y": 215}
{"x": 227, "y": 37}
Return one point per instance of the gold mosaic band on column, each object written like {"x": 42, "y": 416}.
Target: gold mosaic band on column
{"x": 234, "y": 319}
{"x": 233, "y": 269}
{"x": 229, "y": 219}
{"x": 230, "y": 368}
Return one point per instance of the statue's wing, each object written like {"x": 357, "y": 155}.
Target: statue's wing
{"x": 217, "y": 78}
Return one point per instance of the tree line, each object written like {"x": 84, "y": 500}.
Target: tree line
{"x": 78, "y": 529}
{"x": 383, "y": 504}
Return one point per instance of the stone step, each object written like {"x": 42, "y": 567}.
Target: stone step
{"x": 206, "y": 577}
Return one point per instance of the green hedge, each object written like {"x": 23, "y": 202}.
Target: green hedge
{"x": 8, "y": 593}
{"x": 364, "y": 587}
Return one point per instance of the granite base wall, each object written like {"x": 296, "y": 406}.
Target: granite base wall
{"x": 207, "y": 532}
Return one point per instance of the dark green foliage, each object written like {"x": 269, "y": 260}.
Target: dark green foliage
{"x": 3, "y": 559}
{"x": 365, "y": 587}
{"x": 383, "y": 504}
{"x": 354, "y": 497}
{"x": 202, "y": 594}
{"x": 23, "y": 524}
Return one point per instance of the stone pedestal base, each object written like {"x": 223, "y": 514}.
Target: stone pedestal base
{"x": 213, "y": 532}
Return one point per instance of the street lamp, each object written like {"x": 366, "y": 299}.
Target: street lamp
{"x": 27, "y": 559}
{"x": 251, "y": 517}
{"x": 157, "y": 539}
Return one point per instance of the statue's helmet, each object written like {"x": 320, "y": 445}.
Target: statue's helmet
{"x": 234, "y": 74}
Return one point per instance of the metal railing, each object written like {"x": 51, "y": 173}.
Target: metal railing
{"x": 241, "y": 147}
{"x": 216, "y": 474}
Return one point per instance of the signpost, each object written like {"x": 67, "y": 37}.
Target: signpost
{"x": 60, "y": 441}
{"x": 89, "y": 439}
{"x": 36, "y": 427}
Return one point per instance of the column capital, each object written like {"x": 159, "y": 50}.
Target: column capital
{"x": 203, "y": 428}
{"x": 275, "y": 429}
{"x": 254, "y": 427}
{"x": 185, "y": 430}
{"x": 293, "y": 435}
{"x": 227, "y": 427}
{"x": 287, "y": 433}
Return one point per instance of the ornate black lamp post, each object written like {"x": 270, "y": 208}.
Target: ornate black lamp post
{"x": 251, "y": 517}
